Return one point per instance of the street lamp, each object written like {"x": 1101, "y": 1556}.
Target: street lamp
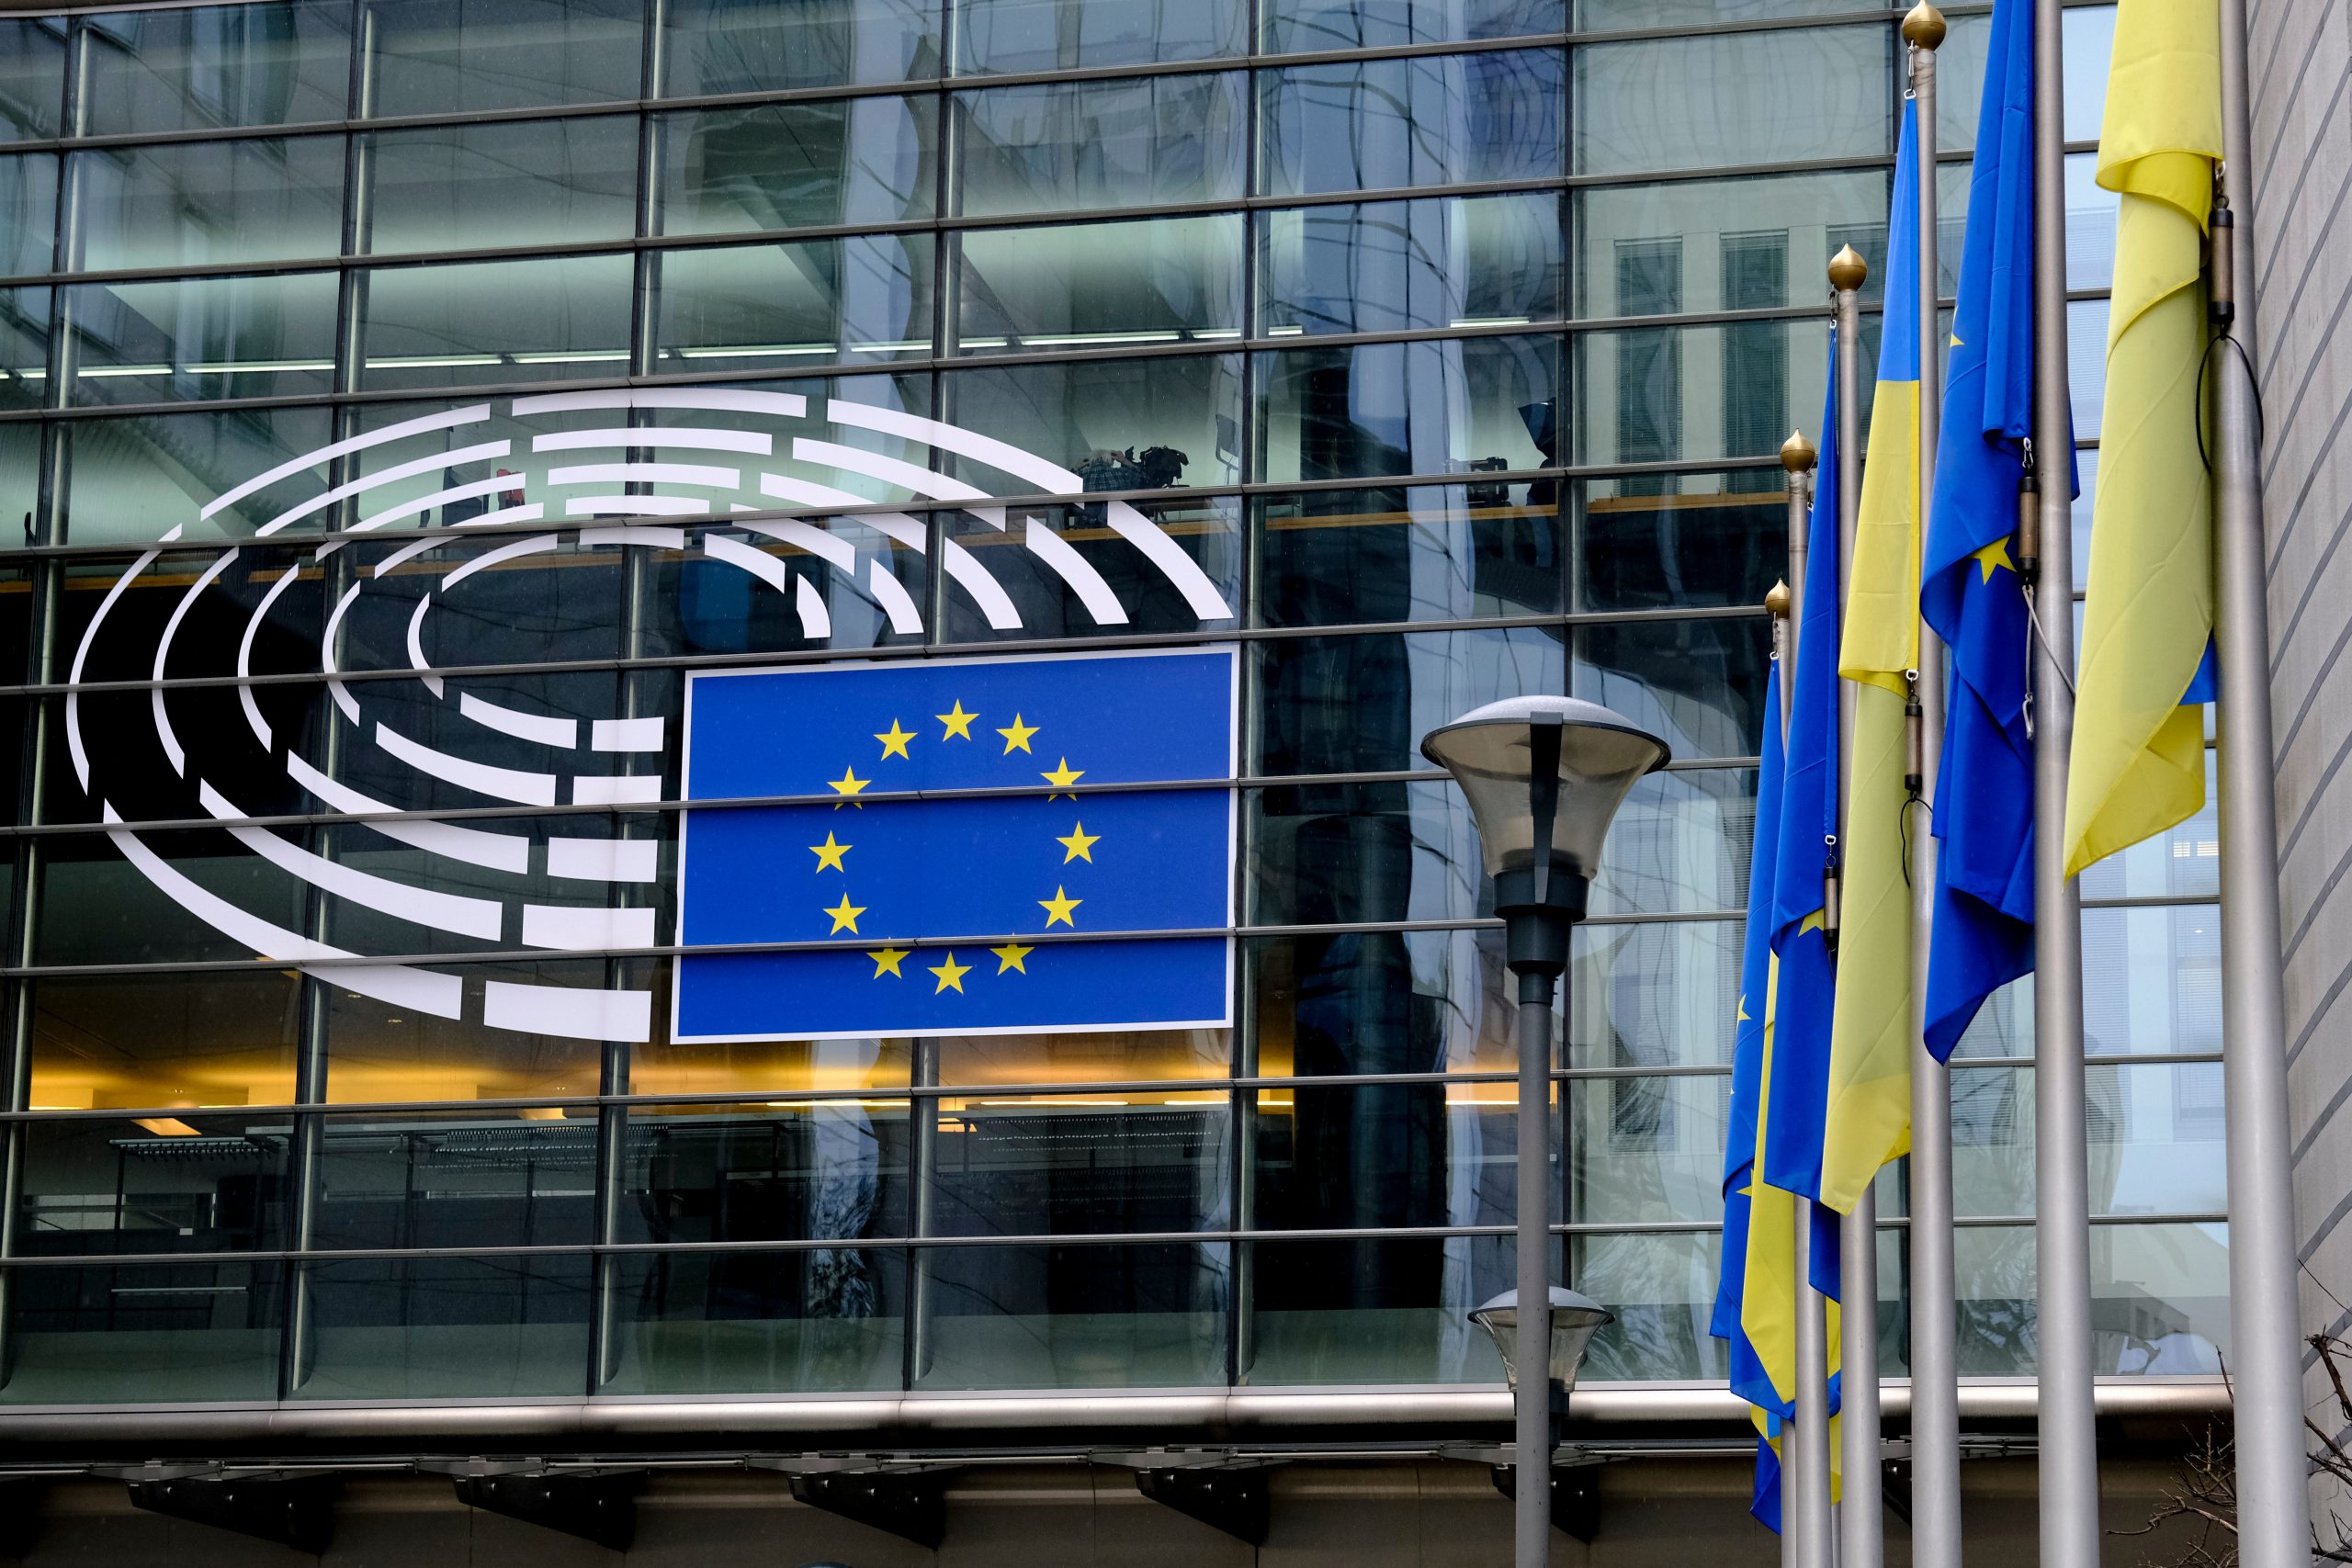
{"x": 1543, "y": 776}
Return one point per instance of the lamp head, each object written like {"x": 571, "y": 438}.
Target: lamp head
{"x": 1575, "y": 1319}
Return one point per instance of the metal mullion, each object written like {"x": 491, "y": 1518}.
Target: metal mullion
{"x": 2093, "y": 1064}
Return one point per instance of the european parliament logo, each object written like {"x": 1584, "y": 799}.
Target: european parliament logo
{"x": 960, "y": 847}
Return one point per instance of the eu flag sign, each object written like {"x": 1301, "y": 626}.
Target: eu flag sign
{"x": 930, "y": 895}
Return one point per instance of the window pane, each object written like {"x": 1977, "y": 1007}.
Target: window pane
{"x": 1072, "y": 1165}
{"x": 1054, "y": 147}
{"x": 1408, "y": 407}
{"x": 1653, "y": 996}
{"x": 195, "y": 1181}
{"x": 1646, "y": 1150}
{"x": 202, "y": 338}
{"x": 1694, "y": 394}
{"x": 1741, "y": 98}
{"x": 1428, "y": 1001}
{"x": 2156, "y": 1140}
{"x": 1453, "y": 552}
{"x": 163, "y": 1041}
{"x": 1375, "y": 1311}
{"x": 817, "y": 1169}
{"x": 473, "y": 321}
{"x": 701, "y": 605}
{"x": 1337, "y": 704}
{"x": 796, "y": 166}
{"x": 768, "y": 307}
{"x": 2184, "y": 861}
{"x": 32, "y": 77}
{"x": 381, "y": 1050}
{"x": 1668, "y": 541}
{"x": 209, "y": 203}
{"x": 758, "y": 46}
{"x": 1598, "y": 15}
{"x": 1411, "y": 266}
{"x": 822, "y": 1320}
{"x": 1662, "y": 1289}
{"x": 129, "y": 480}
{"x": 1432, "y": 120}
{"x": 1680, "y": 845}
{"x": 447, "y": 1328}
{"x": 1361, "y": 1156}
{"x": 450, "y": 56}
{"x": 28, "y": 212}
{"x": 2089, "y": 40}
{"x": 1745, "y": 243}
{"x": 279, "y": 62}
{"x": 176, "y": 1333}
{"x": 2086, "y": 364}
{"x": 24, "y": 376}
{"x": 540, "y": 182}
{"x": 1173, "y": 1055}
{"x": 1356, "y": 853}
{"x": 1393, "y": 24}
{"x": 473, "y": 1178}
{"x": 1098, "y": 285}
{"x": 1698, "y": 683}
{"x": 1136, "y": 594}
{"x": 773, "y": 1066}
{"x": 2158, "y": 973}
{"x": 1065, "y": 35}
{"x": 1118, "y": 423}
{"x": 2160, "y": 1301}
{"x": 1075, "y": 1317}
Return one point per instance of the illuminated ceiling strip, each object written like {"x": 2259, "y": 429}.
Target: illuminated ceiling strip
{"x": 569, "y": 1012}
{"x": 637, "y": 506}
{"x": 495, "y": 852}
{"x": 708, "y": 475}
{"x": 604, "y": 859}
{"x": 163, "y": 650}
{"x": 772, "y": 572}
{"x": 564, "y": 732}
{"x": 417, "y": 661}
{"x": 759, "y": 443}
{"x": 254, "y": 719}
{"x": 1078, "y": 572}
{"x": 477, "y": 917}
{"x": 776, "y": 405}
{"x": 473, "y": 489}
{"x": 392, "y": 475}
{"x": 536, "y": 544}
{"x": 441, "y": 996}
{"x": 472, "y": 413}
{"x": 81, "y": 653}
{"x": 500, "y": 784}
{"x": 575, "y": 930}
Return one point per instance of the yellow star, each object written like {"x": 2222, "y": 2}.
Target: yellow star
{"x": 894, "y": 743}
{"x": 848, "y": 784}
{"x": 886, "y": 961}
{"x": 829, "y": 852}
{"x": 958, "y": 721}
{"x": 1993, "y": 556}
{"x": 1017, "y": 738}
{"x": 1743, "y": 1008}
{"x": 845, "y": 915}
{"x": 1081, "y": 844}
{"x": 1063, "y": 776}
{"x": 1058, "y": 908}
{"x": 1010, "y": 956}
{"x": 951, "y": 975}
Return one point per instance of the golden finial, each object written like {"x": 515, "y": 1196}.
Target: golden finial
{"x": 1797, "y": 454}
{"x": 1846, "y": 269}
{"x": 1923, "y": 26}
{"x": 1776, "y": 600}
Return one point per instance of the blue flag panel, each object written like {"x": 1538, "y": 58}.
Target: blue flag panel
{"x": 938, "y": 901}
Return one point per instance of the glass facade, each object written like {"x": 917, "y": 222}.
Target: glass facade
{"x": 402, "y": 401}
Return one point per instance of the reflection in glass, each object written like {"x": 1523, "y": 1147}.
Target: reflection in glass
{"x": 2184, "y": 861}
{"x": 1694, "y": 394}
{"x": 1334, "y": 705}
{"x": 1358, "y": 852}
{"x": 796, "y": 166}
{"x": 162, "y": 1334}
{"x": 200, "y": 338}
{"x": 1668, "y": 541}
{"x": 1427, "y": 1001}
{"x": 1410, "y": 408}
{"x": 1074, "y": 1316}
{"x": 1073, "y": 1165}
{"x": 1118, "y": 423}
{"x": 780, "y": 1171}
{"x": 1653, "y": 996}
{"x": 2160, "y": 1298}
{"x": 277, "y": 62}
{"x": 1074, "y": 146}
{"x": 1425, "y": 120}
{"x": 466, "y": 1179}
{"x": 378, "y": 1051}
{"x": 2088, "y": 42}
{"x": 865, "y": 591}
{"x": 1646, "y": 1150}
{"x": 1065, "y": 35}
{"x": 1750, "y": 224}
{"x": 2156, "y": 1138}
{"x": 97, "y": 908}
{"x": 1411, "y": 266}
{"x": 773, "y": 1066}
{"x": 746, "y": 1322}
{"x": 447, "y": 1327}
{"x": 536, "y": 182}
{"x": 24, "y": 369}
{"x": 544, "y": 318}
{"x": 980, "y": 1060}
{"x": 1098, "y": 285}
{"x": 1364, "y": 1156}
{"x": 194, "y": 1182}
{"x": 1375, "y": 1311}
{"x": 456, "y": 56}
{"x": 1142, "y": 597}
{"x": 1432, "y": 553}
{"x": 32, "y": 77}
{"x": 1661, "y": 1287}
{"x": 208, "y": 203}
{"x": 770, "y": 307}
{"x": 758, "y": 46}
{"x": 1598, "y": 15}
{"x": 1680, "y": 845}
{"x": 1732, "y": 98}
{"x": 1393, "y": 24}
{"x": 28, "y": 211}
{"x": 1698, "y": 683}
{"x": 2086, "y": 364}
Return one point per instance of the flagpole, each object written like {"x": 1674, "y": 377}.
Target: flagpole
{"x": 1805, "y": 1527}
{"x": 1934, "y": 1361}
{"x": 2067, "y": 1414}
{"x": 2273, "y": 1519}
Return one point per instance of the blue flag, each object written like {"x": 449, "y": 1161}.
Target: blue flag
{"x": 932, "y": 909}
{"x": 1969, "y": 587}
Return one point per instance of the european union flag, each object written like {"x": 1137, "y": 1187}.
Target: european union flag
{"x": 937, "y": 895}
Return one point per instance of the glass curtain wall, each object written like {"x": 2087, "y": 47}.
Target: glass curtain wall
{"x": 1435, "y": 352}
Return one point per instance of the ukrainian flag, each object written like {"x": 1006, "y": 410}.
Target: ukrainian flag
{"x": 2138, "y": 763}
{"x": 1970, "y": 592}
{"x": 1867, "y": 1119}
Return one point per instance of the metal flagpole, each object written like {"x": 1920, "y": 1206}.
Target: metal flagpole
{"x": 2067, "y": 1417}
{"x": 1862, "y": 1521}
{"x": 2274, "y": 1518}
{"x": 1935, "y": 1359}
{"x": 1796, "y": 459}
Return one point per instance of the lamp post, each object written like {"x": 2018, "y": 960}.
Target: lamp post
{"x": 1543, "y": 777}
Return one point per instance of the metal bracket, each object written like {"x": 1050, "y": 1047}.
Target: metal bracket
{"x": 1575, "y": 1497}
{"x": 908, "y": 1504}
{"x": 296, "y": 1510}
{"x": 1235, "y": 1499}
{"x": 594, "y": 1505}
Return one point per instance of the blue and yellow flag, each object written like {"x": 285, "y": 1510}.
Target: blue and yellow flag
{"x": 1970, "y": 591}
{"x": 929, "y": 907}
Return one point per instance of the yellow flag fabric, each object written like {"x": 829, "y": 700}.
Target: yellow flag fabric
{"x": 1868, "y": 1120}
{"x": 1769, "y": 1297}
{"x": 2138, "y": 763}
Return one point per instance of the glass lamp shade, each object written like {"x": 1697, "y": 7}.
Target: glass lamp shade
{"x": 1545, "y": 777}
{"x": 1575, "y": 1318}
